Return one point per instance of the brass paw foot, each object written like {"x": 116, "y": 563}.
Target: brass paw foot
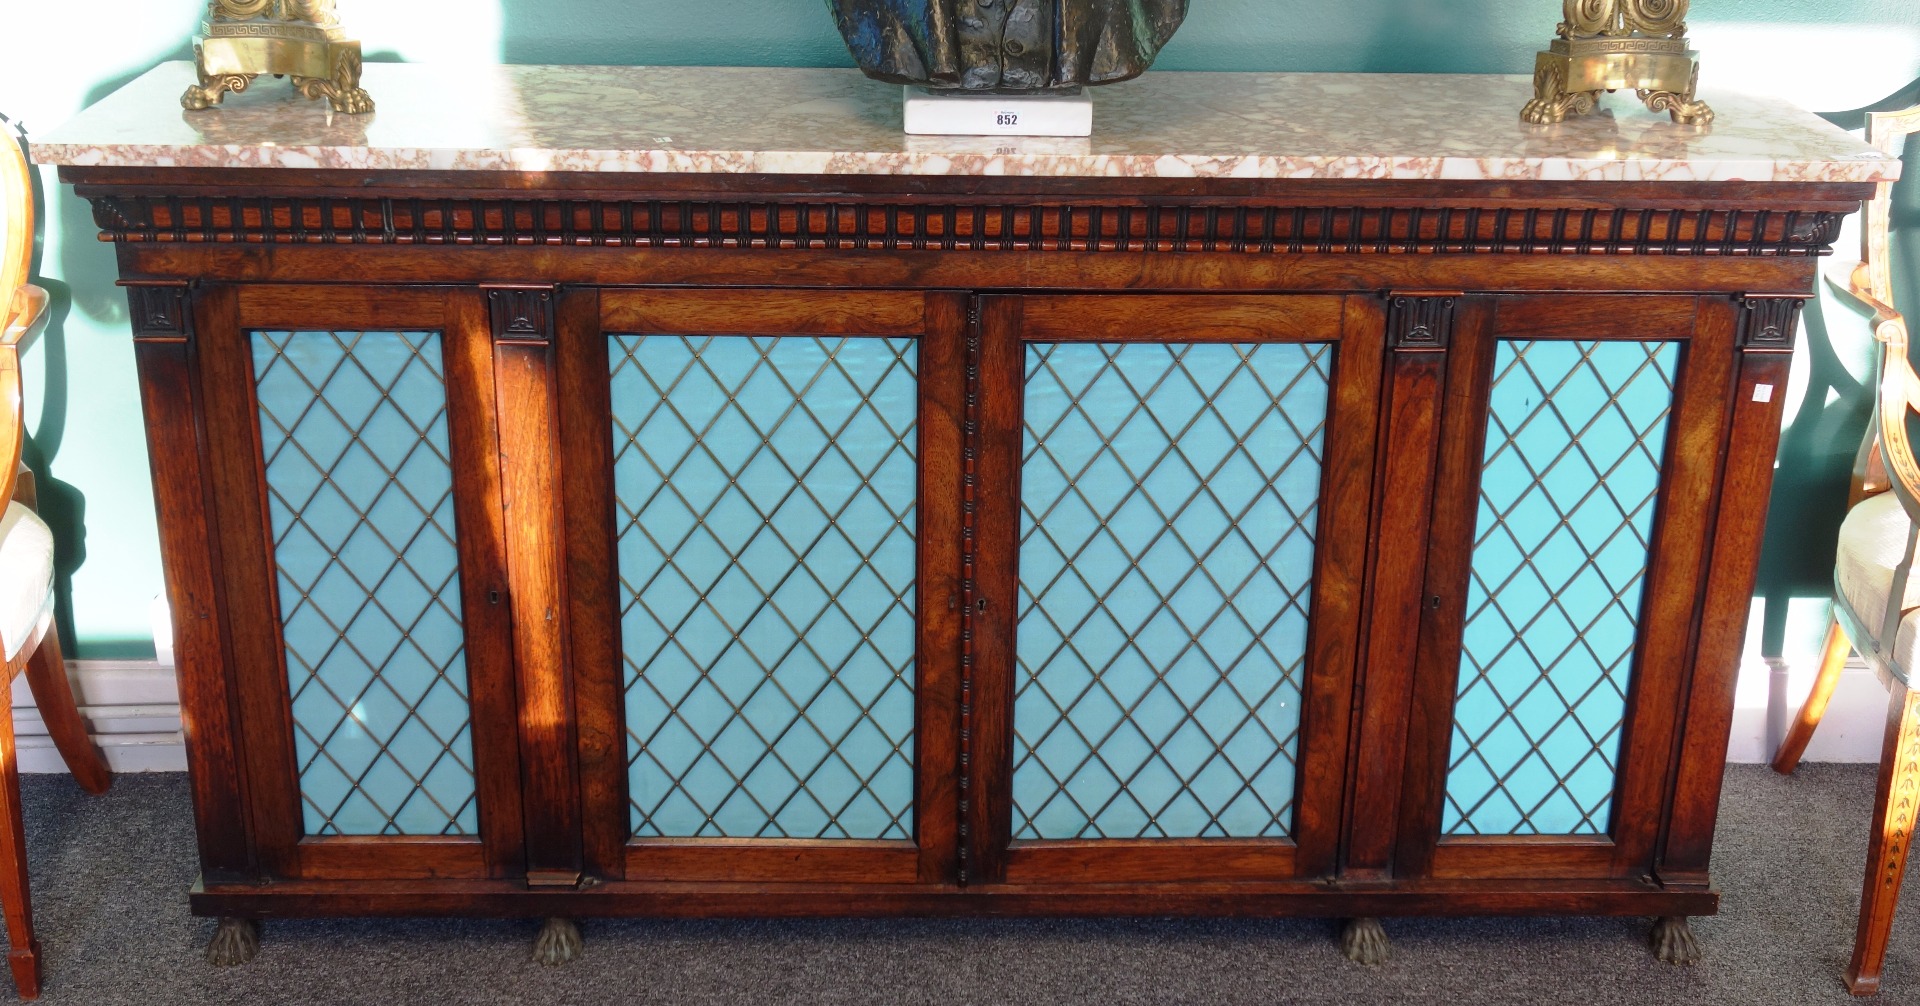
{"x": 1672, "y": 940}
{"x": 1551, "y": 102}
{"x": 213, "y": 87}
{"x": 342, "y": 90}
{"x": 1364, "y": 941}
{"x": 559, "y": 942}
{"x": 234, "y": 943}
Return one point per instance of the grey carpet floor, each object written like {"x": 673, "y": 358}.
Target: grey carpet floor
{"x": 110, "y": 876}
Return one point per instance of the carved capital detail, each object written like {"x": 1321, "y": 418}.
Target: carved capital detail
{"x": 521, "y": 314}
{"x": 1420, "y": 324}
{"x": 158, "y": 312}
{"x": 1769, "y": 324}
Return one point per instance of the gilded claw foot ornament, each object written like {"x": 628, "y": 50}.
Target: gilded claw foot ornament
{"x": 1672, "y": 940}
{"x": 1681, "y": 106}
{"x": 1551, "y": 102}
{"x": 342, "y": 90}
{"x": 559, "y": 942}
{"x": 1364, "y": 941}
{"x": 234, "y": 943}
{"x": 213, "y": 87}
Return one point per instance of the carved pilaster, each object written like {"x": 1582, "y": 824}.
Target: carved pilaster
{"x": 158, "y": 312}
{"x": 522, "y": 314}
{"x": 1769, "y": 324}
{"x": 1420, "y": 323}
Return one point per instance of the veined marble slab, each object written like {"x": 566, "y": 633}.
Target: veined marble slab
{"x": 822, "y": 121}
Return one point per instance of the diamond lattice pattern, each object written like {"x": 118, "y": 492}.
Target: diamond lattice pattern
{"x": 353, "y": 427}
{"x": 1574, "y": 446}
{"x": 1169, "y": 499}
{"x": 767, "y": 493}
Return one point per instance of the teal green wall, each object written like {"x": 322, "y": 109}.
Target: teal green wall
{"x": 84, "y": 411}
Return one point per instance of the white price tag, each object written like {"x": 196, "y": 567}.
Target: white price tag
{"x": 1763, "y": 392}
{"x": 1006, "y": 121}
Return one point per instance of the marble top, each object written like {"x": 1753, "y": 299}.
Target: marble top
{"x": 826, "y": 121}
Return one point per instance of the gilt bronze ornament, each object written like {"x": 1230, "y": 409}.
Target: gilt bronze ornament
{"x": 1006, "y": 45}
{"x": 242, "y": 39}
{"x": 1607, "y": 45}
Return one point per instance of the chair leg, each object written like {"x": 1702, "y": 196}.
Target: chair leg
{"x": 1833, "y": 657}
{"x": 1895, "y": 803}
{"x": 23, "y": 951}
{"x": 47, "y": 677}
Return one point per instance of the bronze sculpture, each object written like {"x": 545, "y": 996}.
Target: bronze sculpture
{"x": 1006, "y": 45}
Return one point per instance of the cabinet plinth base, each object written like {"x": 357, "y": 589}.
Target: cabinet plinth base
{"x": 511, "y": 899}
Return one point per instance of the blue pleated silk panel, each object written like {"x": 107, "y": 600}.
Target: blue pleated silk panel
{"x": 1572, "y": 472}
{"x": 1169, "y": 501}
{"x": 766, "y": 505}
{"x": 353, "y": 427}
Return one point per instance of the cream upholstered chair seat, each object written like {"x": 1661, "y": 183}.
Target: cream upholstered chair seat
{"x": 26, "y": 592}
{"x": 1873, "y": 540}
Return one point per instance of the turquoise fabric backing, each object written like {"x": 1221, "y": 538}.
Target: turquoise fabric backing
{"x": 1573, "y": 456}
{"x": 1169, "y": 501}
{"x": 766, "y": 491}
{"x": 353, "y": 426}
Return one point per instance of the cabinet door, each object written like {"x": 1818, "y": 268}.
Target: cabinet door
{"x": 763, "y": 535}
{"x": 1580, "y": 447}
{"x": 1171, "y": 501}
{"x": 349, "y": 442}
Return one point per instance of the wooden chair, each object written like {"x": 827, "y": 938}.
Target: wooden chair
{"x": 1876, "y": 599}
{"x": 27, "y": 639}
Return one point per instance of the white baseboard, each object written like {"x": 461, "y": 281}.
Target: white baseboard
{"x": 133, "y": 707}
{"x": 1769, "y": 697}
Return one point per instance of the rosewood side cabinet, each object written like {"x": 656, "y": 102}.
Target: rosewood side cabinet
{"x": 602, "y": 491}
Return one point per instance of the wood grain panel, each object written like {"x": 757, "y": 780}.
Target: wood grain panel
{"x": 1410, "y": 416}
{"x": 171, "y": 403}
{"x": 329, "y": 308}
{"x": 756, "y": 900}
{"x": 1150, "y": 318}
{"x": 1147, "y": 861}
{"x": 1615, "y": 318}
{"x": 394, "y": 857}
{"x": 1436, "y": 675}
{"x": 774, "y": 861}
{"x": 1681, "y": 542}
{"x": 526, "y": 408}
{"x": 1339, "y": 585}
{"x": 764, "y": 312}
{"x": 991, "y": 597}
{"x": 1521, "y": 857}
{"x": 940, "y": 584}
{"x": 1745, "y": 481}
{"x": 473, "y": 438}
